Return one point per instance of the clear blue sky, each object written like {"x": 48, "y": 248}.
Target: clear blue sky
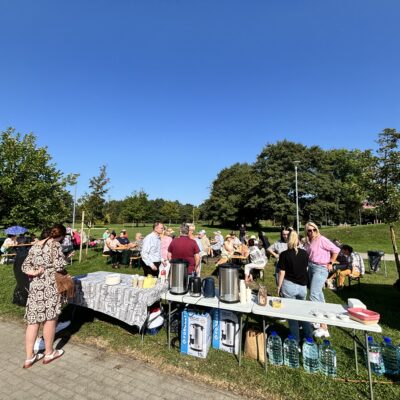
{"x": 167, "y": 93}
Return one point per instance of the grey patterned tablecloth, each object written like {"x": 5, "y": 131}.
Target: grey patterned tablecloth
{"x": 122, "y": 301}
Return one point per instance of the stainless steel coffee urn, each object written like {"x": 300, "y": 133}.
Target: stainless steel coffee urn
{"x": 229, "y": 283}
{"x": 178, "y": 276}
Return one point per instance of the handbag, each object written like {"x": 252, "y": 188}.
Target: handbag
{"x": 254, "y": 345}
{"x": 65, "y": 284}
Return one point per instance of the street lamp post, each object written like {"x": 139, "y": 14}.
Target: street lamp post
{"x": 74, "y": 209}
{"x": 296, "y": 163}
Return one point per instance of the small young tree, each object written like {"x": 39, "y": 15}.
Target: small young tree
{"x": 93, "y": 203}
{"x": 386, "y": 189}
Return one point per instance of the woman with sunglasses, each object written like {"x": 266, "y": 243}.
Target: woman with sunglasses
{"x": 322, "y": 254}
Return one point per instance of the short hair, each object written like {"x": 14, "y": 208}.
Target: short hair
{"x": 156, "y": 224}
{"x": 348, "y": 248}
{"x": 58, "y": 230}
{"x": 184, "y": 229}
{"x": 191, "y": 227}
{"x": 251, "y": 242}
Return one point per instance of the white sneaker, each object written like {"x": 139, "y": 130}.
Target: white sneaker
{"x": 320, "y": 332}
{"x": 62, "y": 325}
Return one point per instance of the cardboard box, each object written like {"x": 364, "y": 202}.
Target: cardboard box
{"x": 195, "y": 333}
{"x": 226, "y": 331}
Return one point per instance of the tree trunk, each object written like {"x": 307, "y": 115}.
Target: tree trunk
{"x": 396, "y": 255}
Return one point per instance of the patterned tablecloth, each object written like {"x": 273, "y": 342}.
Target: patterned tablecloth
{"x": 122, "y": 301}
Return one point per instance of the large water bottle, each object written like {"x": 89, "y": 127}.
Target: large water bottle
{"x": 327, "y": 359}
{"x": 274, "y": 349}
{"x": 310, "y": 356}
{"x": 389, "y": 355}
{"x": 291, "y": 352}
{"x": 375, "y": 357}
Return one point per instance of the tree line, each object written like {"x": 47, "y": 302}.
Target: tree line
{"x": 333, "y": 185}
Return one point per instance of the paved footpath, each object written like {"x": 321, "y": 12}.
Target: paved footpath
{"x": 85, "y": 373}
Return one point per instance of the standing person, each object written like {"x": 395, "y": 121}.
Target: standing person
{"x": 185, "y": 248}
{"x": 242, "y": 233}
{"x": 44, "y": 302}
{"x": 322, "y": 253}
{"x": 277, "y": 248}
{"x": 151, "y": 250}
{"x": 166, "y": 239}
{"x": 21, "y": 290}
{"x": 293, "y": 279}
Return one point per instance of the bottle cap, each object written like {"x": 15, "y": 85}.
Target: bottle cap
{"x": 273, "y": 333}
{"x": 387, "y": 340}
{"x": 327, "y": 342}
{"x": 290, "y": 337}
{"x": 309, "y": 340}
{"x": 370, "y": 338}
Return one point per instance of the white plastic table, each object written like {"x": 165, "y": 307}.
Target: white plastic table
{"x": 302, "y": 310}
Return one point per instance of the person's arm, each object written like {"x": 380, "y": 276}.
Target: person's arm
{"x": 281, "y": 277}
{"x": 271, "y": 250}
{"x": 197, "y": 263}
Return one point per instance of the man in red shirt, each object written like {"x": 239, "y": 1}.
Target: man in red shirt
{"x": 185, "y": 248}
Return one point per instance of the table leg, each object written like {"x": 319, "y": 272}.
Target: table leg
{"x": 355, "y": 351}
{"x": 169, "y": 326}
{"x": 265, "y": 346}
{"x": 371, "y": 393}
{"x": 240, "y": 339}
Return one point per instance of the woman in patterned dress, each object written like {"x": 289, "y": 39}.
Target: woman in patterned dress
{"x": 44, "y": 301}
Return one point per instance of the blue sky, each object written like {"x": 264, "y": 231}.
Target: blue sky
{"x": 167, "y": 93}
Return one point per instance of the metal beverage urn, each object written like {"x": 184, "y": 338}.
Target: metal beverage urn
{"x": 178, "y": 276}
{"x": 196, "y": 337}
{"x": 229, "y": 283}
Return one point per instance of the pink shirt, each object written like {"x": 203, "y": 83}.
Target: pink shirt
{"x": 165, "y": 242}
{"x": 320, "y": 250}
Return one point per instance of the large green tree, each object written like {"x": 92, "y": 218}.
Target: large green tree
{"x": 136, "y": 207}
{"x": 386, "y": 188}
{"x": 32, "y": 190}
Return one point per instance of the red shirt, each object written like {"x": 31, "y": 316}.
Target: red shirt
{"x": 185, "y": 248}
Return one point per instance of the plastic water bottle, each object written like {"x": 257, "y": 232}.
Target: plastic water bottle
{"x": 274, "y": 349}
{"x": 390, "y": 358}
{"x": 327, "y": 359}
{"x": 375, "y": 357}
{"x": 310, "y": 356}
{"x": 291, "y": 352}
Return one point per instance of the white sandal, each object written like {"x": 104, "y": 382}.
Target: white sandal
{"x": 48, "y": 358}
{"x": 30, "y": 361}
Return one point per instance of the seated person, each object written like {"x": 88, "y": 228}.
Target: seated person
{"x": 227, "y": 250}
{"x": 258, "y": 260}
{"x": 355, "y": 267}
{"x": 5, "y": 248}
{"x": 216, "y": 244}
{"x": 110, "y": 248}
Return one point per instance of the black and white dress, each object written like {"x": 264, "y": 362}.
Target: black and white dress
{"x": 44, "y": 302}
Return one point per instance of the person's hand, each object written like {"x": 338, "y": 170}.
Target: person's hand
{"x": 35, "y": 272}
{"x": 153, "y": 267}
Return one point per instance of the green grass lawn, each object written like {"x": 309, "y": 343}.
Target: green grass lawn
{"x": 220, "y": 368}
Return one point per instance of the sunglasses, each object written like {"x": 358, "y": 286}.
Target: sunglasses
{"x": 311, "y": 230}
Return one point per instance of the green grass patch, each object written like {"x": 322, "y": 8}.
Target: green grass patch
{"x": 220, "y": 368}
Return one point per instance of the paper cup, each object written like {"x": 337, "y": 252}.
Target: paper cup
{"x": 140, "y": 281}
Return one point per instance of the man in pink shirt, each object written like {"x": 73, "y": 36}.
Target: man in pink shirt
{"x": 322, "y": 254}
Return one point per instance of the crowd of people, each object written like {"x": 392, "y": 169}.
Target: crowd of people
{"x": 303, "y": 265}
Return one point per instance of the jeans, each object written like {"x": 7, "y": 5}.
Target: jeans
{"x": 292, "y": 290}
{"x": 317, "y": 275}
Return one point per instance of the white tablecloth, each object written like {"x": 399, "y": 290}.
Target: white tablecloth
{"x": 122, "y": 301}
